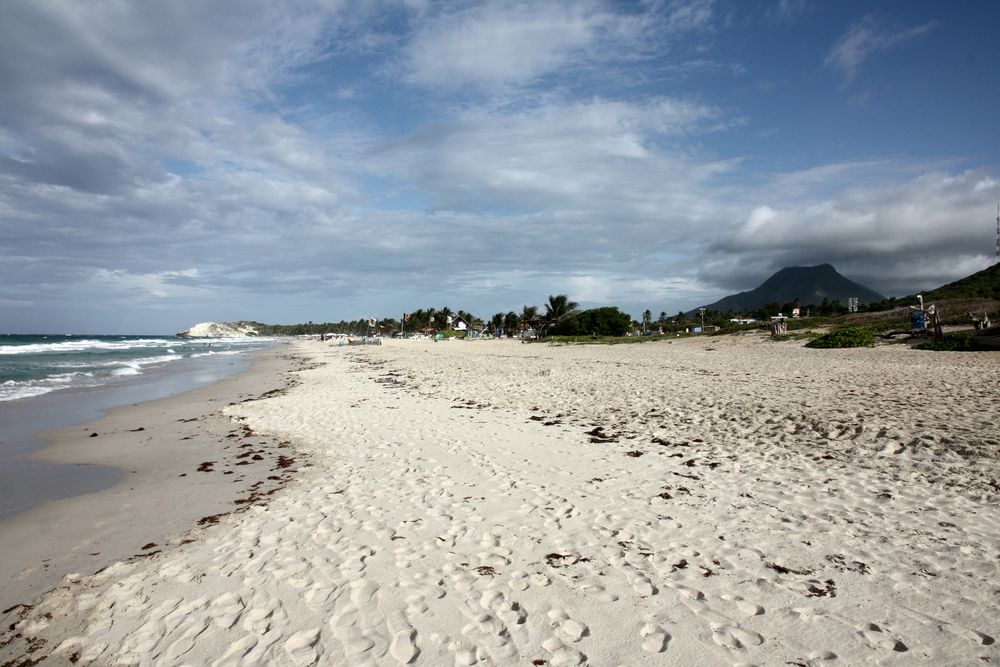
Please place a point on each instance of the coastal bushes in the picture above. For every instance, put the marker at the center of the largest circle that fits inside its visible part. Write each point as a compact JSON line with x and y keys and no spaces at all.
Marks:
{"x":798,"y":335}
{"x":845,"y":337}
{"x":955,"y":342}
{"x":608,"y":321}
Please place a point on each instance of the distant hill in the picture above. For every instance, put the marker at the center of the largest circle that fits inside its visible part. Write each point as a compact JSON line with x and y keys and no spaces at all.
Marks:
{"x":984,"y":284}
{"x":220,"y":330}
{"x":809,"y":284}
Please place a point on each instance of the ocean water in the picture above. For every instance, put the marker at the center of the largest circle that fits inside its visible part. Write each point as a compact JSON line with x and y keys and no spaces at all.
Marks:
{"x":49,"y":382}
{"x":31,"y":366}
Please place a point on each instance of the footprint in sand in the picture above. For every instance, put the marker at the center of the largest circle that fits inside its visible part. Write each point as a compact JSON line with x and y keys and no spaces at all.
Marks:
{"x":735,"y":638}
{"x":511,"y":613}
{"x":641,"y":584}
{"x":466,"y":653}
{"x":186,"y":641}
{"x":142,"y":642}
{"x":320,"y":594}
{"x":259,"y":620}
{"x":225,"y":610}
{"x":874,"y":635}
{"x":725,"y":632}
{"x":403,"y":647}
{"x":302,"y":647}
{"x":177,"y":618}
{"x":362,"y":591}
{"x":745,"y":606}
{"x":973,"y":636}
{"x":519,"y":581}
{"x":426,"y":586}
{"x":257,"y":654}
{"x":233,"y":657}
{"x":359,"y":640}
{"x":655,"y":638}
{"x":573,"y":630}
{"x":562,"y":655}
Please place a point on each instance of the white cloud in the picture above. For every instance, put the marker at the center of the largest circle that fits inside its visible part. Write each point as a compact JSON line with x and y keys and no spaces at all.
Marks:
{"x":894,"y":235}
{"x":684,"y":15}
{"x":500,"y":44}
{"x":608,"y":158}
{"x":161,"y":285}
{"x":788,"y":11}
{"x":511,"y":43}
{"x":865,"y":38}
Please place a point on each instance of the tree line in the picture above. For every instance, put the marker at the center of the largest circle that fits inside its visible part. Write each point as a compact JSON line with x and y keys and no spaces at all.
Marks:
{"x":557,"y":308}
{"x":561,"y":316}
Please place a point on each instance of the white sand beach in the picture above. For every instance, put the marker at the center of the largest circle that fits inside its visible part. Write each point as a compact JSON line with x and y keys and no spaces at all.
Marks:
{"x":710,"y":501}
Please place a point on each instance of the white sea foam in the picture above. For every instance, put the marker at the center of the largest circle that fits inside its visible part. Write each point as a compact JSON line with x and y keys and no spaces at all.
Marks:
{"x":13,"y":389}
{"x":66,"y":378}
{"x":214,"y":353}
{"x":162,"y":359}
{"x":16,"y":389}
{"x":15,"y":392}
{"x":60,"y":364}
{"x":134,"y":366}
{"x":82,"y":345}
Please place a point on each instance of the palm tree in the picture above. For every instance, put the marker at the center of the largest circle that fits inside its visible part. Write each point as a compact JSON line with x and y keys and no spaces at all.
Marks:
{"x":558,"y":308}
{"x":529,"y":314}
{"x":442,"y":317}
{"x":647,"y":319}
{"x":511,"y":322}
{"x":496,"y":321}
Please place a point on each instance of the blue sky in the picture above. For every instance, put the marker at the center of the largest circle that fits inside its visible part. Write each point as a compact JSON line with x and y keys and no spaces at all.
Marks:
{"x":168,"y":163}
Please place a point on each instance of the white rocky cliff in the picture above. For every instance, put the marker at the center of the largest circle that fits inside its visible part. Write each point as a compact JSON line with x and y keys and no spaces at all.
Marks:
{"x":219,"y":330}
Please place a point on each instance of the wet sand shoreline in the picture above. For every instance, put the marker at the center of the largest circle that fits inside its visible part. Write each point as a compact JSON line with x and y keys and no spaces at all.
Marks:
{"x":161,"y":448}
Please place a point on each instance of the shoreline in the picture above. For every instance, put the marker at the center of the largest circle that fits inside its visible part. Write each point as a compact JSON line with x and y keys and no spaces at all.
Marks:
{"x":28,"y":480}
{"x":160,"y":448}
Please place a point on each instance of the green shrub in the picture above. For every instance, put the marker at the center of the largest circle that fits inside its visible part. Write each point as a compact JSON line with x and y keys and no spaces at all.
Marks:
{"x":799,"y":335}
{"x":603,"y":340}
{"x":845,"y":337}
{"x":956,"y":342}
{"x":608,"y":321}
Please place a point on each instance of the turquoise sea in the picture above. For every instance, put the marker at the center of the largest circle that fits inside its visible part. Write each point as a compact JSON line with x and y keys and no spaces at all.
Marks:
{"x":39,"y":364}
{"x":53,"y":381}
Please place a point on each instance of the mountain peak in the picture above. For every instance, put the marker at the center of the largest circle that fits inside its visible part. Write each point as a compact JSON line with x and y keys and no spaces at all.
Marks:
{"x":809,"y":284}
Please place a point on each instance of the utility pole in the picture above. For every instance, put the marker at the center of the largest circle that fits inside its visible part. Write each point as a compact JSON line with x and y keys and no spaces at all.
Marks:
{"x":702,"y":312}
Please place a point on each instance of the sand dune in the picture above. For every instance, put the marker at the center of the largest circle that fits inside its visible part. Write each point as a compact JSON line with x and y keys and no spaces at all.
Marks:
{"x":711,"y":501}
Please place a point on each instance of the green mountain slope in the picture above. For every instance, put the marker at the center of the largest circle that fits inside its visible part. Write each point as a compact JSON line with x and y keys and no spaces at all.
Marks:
{"x":984,"y":284}
{"x":809,"y":284}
